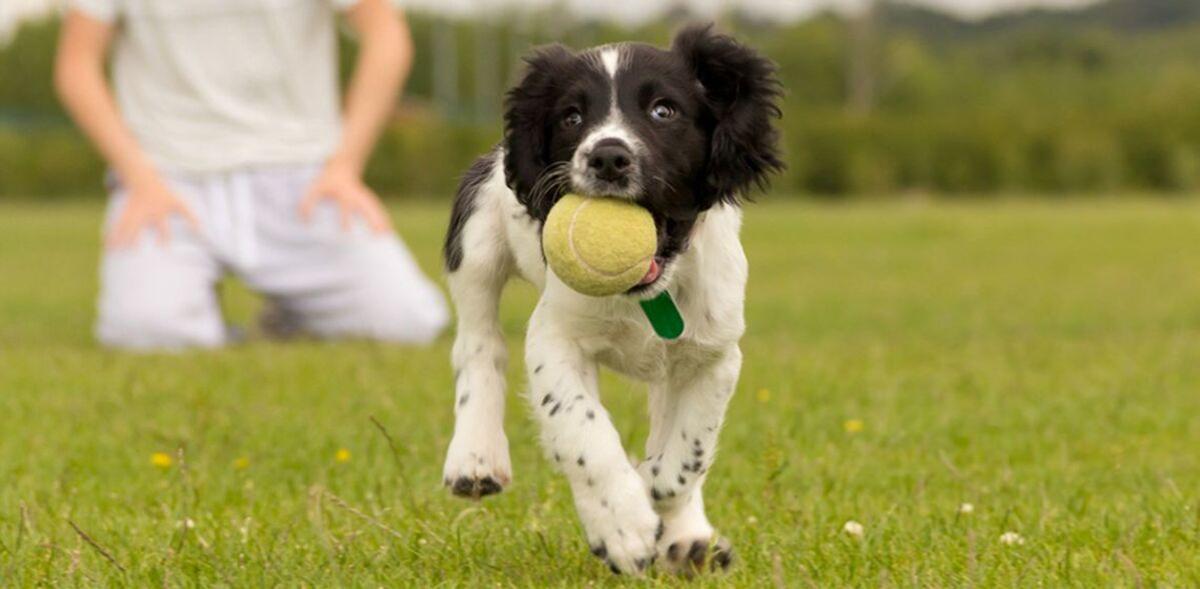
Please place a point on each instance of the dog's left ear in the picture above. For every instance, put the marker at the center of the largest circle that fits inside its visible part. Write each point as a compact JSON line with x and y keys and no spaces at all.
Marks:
{"x":742,"y":92}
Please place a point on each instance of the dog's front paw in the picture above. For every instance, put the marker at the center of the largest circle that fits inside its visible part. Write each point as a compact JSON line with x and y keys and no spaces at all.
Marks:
{"x":622,"y":529}
{"x":477,"y":467}
{"x":689,"y":545}
{"x":689,"y":556}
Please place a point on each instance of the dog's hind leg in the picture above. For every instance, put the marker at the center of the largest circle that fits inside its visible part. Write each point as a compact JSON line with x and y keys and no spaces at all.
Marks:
{"x":479,"y":263}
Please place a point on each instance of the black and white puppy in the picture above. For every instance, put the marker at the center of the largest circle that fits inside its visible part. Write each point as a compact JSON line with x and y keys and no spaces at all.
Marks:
{"x":683,"y":132}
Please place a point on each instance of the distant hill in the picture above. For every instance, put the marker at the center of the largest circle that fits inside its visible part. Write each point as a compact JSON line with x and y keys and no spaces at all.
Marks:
{"x":1116,"y":15}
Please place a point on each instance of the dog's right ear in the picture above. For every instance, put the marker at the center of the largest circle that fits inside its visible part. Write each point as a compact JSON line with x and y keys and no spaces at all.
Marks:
{"x":527,"y":109}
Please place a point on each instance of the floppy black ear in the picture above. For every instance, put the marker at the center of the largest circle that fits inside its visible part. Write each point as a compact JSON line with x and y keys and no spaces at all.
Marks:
{"x":742,"y":92}
{"x":527,"y":108}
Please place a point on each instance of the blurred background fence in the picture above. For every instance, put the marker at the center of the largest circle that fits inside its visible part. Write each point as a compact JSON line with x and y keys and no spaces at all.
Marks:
{"x":890,"y":99}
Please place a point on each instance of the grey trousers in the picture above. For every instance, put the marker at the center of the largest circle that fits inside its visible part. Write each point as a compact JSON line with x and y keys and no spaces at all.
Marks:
{"x":334,"y":282}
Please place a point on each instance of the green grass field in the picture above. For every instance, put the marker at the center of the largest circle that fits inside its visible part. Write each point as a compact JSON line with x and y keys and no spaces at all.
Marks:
{"x":1038,"y":361}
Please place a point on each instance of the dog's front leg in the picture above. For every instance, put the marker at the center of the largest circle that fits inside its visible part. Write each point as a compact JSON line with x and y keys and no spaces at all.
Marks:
{"x":477,"y":462}
{"x":686,"y":416}
{"x":621,"y":525}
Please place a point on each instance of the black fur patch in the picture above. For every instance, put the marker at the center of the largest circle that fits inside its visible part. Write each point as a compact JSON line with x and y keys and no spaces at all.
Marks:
{"x":464,"y":206}
{"x":742,"y":92}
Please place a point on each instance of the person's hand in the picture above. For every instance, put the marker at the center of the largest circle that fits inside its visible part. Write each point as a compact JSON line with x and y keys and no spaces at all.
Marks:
{"x":341,"y":184}
{"x":149,"y":205}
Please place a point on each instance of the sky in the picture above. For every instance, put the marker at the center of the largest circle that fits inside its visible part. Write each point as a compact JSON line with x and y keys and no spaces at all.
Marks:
{"x":640,"y":10}
{"x":629,"y":11}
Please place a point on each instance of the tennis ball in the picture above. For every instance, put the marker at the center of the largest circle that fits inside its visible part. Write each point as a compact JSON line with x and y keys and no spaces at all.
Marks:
{"x":599,"y":246}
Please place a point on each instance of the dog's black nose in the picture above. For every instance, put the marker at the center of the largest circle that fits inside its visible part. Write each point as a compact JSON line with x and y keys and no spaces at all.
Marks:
{"x":610,"y":160}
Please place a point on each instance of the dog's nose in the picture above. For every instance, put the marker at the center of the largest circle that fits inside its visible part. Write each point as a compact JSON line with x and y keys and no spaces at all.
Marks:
{"x":610,"y":160}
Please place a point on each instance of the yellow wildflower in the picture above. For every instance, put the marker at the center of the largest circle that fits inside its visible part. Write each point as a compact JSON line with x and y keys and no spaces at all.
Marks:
{"x":343,"y":455}
{"x":241,"y":463}
{"x":853,"y":426}
{"x":764,"y":395}
{"x":161,"y":460}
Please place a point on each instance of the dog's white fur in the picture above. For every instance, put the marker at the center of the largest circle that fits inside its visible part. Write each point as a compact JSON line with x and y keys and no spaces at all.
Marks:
{"x":570,"y":335}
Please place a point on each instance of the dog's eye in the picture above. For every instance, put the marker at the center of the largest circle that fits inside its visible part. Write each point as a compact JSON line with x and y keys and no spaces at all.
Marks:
{"x":572,"y":119}
{"x":663,"y":111}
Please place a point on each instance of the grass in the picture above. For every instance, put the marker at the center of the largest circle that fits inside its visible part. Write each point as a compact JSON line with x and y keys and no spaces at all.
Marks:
{"x":1039,"y":361}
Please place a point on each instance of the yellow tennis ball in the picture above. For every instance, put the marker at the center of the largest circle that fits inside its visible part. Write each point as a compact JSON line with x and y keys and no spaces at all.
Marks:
{"x":599,"y":246}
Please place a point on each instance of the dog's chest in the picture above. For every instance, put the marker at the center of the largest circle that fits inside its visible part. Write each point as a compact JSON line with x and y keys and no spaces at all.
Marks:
{"x":708,"y":286}
{"x":627,"y":344}
{"x":630,"y":349}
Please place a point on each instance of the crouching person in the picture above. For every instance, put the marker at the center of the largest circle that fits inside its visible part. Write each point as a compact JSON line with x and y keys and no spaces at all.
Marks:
{"x":229,"y":153}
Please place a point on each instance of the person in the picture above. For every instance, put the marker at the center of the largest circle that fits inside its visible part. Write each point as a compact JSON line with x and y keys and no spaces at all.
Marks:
{"x":229,"y":153}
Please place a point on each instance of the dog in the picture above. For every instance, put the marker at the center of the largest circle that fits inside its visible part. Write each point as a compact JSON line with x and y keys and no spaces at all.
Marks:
{"x":685,"y":132}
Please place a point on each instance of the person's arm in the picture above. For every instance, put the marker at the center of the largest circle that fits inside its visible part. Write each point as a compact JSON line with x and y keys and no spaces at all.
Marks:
{"x":384,"y":60}
{"x":83,"y":89}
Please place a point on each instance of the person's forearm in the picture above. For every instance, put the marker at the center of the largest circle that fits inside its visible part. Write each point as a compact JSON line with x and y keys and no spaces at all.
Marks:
{"x":384,"y":61}
{"x":89,"y":102}
{"x":83,"y":89}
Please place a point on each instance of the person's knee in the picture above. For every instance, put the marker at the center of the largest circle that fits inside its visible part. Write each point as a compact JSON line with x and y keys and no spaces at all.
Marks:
{"x":398,"y":303}
{"x":420,"y":323}
{"x":149,"y":325}
{"x":405,"y":311}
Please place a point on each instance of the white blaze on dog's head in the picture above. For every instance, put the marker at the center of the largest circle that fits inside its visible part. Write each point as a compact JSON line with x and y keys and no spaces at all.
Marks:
{"x":611,"y":140}
{"x":611,"y":58}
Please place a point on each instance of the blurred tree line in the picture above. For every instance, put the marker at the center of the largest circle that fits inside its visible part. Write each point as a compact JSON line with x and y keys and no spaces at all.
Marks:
{"x":898,"y":99}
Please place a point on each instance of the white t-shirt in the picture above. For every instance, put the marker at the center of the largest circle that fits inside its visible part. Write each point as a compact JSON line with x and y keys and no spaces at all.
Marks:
{"x":218,"y":85}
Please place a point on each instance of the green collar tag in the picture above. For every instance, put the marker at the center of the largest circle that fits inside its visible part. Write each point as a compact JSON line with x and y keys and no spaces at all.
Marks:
{"x":664,"y":316}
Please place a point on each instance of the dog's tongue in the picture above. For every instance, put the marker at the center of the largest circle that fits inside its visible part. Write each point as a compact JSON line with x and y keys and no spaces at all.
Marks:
{"x":652,"y":273}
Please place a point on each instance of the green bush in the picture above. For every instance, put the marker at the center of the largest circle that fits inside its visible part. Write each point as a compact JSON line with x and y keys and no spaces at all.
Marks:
{"x":426,"y":157}
{"x":828,"y":154}
{"x":47,"y":163}
{"x":414,"y":158}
